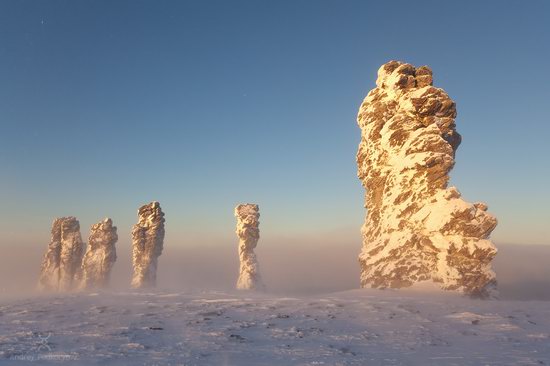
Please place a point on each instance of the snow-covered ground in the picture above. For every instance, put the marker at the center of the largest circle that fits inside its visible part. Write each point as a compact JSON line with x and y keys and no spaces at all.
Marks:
{"x":360,"y":327}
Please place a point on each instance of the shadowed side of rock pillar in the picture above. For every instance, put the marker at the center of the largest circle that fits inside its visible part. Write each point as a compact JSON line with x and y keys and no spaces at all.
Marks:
{"x":100,"y":255}
{"x":49,"y":273}
{"x":147,"y":245}
{"x":248,"y":231}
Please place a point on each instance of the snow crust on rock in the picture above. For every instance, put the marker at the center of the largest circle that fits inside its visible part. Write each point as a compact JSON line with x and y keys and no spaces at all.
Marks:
{"x":248,"y":231}
{"x":147,"y":245}
{"x":100,"y":255}
{"x":417,"y":228}
{"x":62,"y":261}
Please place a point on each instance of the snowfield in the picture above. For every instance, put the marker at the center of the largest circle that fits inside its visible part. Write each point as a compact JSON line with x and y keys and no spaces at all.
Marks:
{"x":359,"y":327}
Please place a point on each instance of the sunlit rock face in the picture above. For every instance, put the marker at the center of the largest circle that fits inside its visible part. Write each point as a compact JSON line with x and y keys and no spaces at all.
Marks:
{"x":147,"y":244}
{"x":100,"y":255}
{"x":248,"y":231}
{"x":63,"y":259}
{"x":417,"y":228}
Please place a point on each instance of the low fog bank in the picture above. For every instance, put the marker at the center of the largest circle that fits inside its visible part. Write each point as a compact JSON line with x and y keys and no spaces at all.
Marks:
{"x":289,"y":266}
{"x":296,"y":267}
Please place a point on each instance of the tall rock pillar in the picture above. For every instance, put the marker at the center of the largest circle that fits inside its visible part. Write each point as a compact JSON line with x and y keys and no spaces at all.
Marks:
{"x":100,"y":255}
{"x":417,"y":228}
{"x":62,"y":261}
{"x":248,"y":231}
{"x":147,"y":245}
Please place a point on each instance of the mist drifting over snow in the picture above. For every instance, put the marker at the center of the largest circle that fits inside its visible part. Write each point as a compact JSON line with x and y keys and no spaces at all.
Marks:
{"x":289,"y":265}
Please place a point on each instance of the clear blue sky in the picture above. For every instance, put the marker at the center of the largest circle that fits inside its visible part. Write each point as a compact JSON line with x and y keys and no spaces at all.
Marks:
{"x":106,"y":105}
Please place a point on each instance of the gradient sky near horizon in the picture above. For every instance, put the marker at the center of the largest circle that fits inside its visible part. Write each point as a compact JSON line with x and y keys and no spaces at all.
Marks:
{"x":106,"y":105}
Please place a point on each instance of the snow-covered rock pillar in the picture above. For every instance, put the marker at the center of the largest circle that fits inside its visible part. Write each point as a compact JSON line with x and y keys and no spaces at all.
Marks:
{"x":417,"y":228}
{"x":61,"y":265}
{"x":248,"y":231}
{"x":100,"y":255}
{"x":147,"y":244}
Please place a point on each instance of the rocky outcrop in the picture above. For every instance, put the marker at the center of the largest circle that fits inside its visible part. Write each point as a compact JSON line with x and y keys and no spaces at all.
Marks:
{"x":63,"y":259}
{"x":417,"y":228}
{"x":147,"y":245}
{"x":248,"y":231}
{"x":100,"y":255}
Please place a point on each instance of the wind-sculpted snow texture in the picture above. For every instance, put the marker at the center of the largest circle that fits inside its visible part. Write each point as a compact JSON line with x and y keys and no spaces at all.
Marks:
{"x":417,"y":228}
{"x":62,"y":261}
{"x":100,"y":255}
{"x":147,"y":241}
{"x":248,"y":231}
{"x":352,"y":328}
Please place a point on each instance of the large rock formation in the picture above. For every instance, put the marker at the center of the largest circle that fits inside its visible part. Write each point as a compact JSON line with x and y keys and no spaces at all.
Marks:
{"x":62,"y":261}
{"x":147,"y":244}
{"x":100,"y":255}
{"x":248,"y":231}
{"x":417,"y":228}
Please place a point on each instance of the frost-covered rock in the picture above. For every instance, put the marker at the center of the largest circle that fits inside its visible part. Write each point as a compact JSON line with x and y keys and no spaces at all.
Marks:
{"x":62,"y":261}
{"x":248,"y":231}
{"x":417,"y":228}
{"x":100,"y":255}
{"x":147,"y":244}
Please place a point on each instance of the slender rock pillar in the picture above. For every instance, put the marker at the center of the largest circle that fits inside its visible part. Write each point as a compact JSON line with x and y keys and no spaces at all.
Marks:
{"x":248,"y":231}
{"x":147,"y":245}
{"x":62,"y":261}
{"x":100,"y":255}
